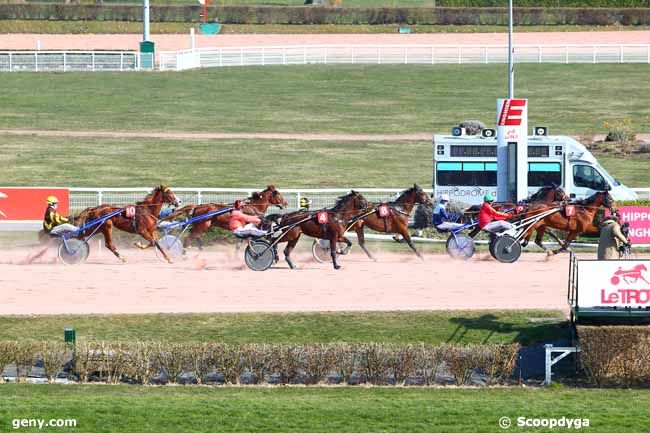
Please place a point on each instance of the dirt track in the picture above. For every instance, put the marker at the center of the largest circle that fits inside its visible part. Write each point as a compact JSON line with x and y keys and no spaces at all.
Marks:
{"x":182,"y":42}
{"x":218,"y":281}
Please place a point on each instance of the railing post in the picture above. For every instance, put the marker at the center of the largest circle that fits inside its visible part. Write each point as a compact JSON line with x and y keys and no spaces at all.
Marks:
{"x":353,"y":55}
{"x":326,"y":55}
{"x":241,"y":56}
{"x":379,"y":55}
{"x":406,"y":55}
{"x":36,"y":61}
{"x":220,"y":57}
{"x":100,"y":198}
{"x":486,"y":54}
{"x":566,"y":55}
{"x":433,"y":55}
{"x":304,"y":54}
{"x":594,"y":55}
{"x":539,"y":54}
{"x":620,"y":47}
{"x":11,"y":66}
{"x":460,"y":55}
{"x":284,"y":55}
{"x":64,"y":61}
{"x":93,"y":60}
{"x":547,"y":363}
{"x":263,"y":55}
{"x":199,"y":197}
{"x":121,"y":62}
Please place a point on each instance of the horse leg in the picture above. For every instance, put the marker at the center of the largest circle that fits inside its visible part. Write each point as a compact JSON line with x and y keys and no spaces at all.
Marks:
{"x":570,"y":238}
{"x":362,"y":242}
{"x":107,"y":231}
{"x":153,"y":241}
{"x":333,"y":245}
{"x":287,"y":252}
{"x":407,"y":237}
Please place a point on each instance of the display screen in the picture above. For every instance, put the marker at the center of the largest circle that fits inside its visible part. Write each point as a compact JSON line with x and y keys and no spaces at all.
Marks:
{"x":538,"y":151}
{"x":474,"y":151}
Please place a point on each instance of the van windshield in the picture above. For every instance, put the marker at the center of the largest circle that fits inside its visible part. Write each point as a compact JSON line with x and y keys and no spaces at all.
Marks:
{"x":607,"y":176}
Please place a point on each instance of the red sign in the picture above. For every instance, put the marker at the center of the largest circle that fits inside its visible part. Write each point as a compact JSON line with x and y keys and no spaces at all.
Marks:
{"x":323,"y":217}
{"x":570,"y":211}
{"x":383,"y":210}
{"x":511,"y":112}
{"x":30,"y":203}
{"x":638,"y":217}
{"x":129,"y":211}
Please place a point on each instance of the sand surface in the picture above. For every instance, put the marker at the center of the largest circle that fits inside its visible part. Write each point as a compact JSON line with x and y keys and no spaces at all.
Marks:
{"x":182,"y":42}
{"x":219,"y":281}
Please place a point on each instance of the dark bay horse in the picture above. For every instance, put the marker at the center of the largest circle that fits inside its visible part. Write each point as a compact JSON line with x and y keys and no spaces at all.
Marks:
{"x":144,"y":222}
{"x":396,"y":221}
{"x":256,"y":204}
{"x":546,"y":194}
{"x":345,"y":209}
{"x":580,"y":223}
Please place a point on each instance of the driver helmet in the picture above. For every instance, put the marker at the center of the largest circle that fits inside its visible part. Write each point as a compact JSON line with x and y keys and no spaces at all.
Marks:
{"x":52,"y":200}
{"x":304,"y":203}
{"x":444,"y":197}
{"x":487,"y":198}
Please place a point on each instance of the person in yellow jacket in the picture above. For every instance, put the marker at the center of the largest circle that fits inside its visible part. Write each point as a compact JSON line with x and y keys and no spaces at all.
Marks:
{"x":611,"y":238}
{"x":52,"y":217}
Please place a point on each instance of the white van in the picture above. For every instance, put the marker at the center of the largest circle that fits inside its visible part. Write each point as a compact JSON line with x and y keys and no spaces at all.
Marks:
{"x":465,"y":167}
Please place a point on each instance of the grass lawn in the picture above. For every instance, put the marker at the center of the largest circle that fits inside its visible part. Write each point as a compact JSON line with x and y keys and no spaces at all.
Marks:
{"x":117,"y":27}
{"x":570,"y":99}
{"x":525,"y":327}
{"x":92,"y":162}
{"x":131,"y":408}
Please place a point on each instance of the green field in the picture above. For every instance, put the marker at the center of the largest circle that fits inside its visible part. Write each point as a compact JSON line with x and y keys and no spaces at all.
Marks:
{"x":92,"y":162}
{"x":130,"y":408}
{"x":525,"y":327}
{"x":395,"y":99}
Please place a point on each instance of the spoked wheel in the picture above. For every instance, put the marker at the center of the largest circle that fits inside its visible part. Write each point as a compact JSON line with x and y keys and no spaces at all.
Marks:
{"x":73,"y":251}
{"x":506,"y":249}
{"x":259,"y":255}
{"x":320,"y":249}
{"x":172,"y":246}
{"x":460,"y":246}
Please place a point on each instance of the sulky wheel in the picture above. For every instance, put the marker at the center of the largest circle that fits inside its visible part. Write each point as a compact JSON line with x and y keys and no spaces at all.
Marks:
{"x":259,"y":255}
{"x":73,"y":251}
{"x":506,"y":249}
{"x":171,"y":245}
{"x":460,"y":246}
{"x":320,"y":249}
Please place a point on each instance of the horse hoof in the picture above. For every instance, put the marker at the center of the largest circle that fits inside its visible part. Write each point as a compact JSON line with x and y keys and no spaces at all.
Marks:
{"x":170,"y":261}
{"x":337,"y":267}
{"x":123,"y":259}
{"x":139,"y":245}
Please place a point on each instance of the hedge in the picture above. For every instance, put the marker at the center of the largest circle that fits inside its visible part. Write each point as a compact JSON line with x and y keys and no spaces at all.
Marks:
{"x":325,"y":15}
{"x":373,"y":363}
{"x":615,"y":355}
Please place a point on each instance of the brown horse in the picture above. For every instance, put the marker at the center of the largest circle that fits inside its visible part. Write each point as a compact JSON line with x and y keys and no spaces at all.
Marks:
{"x":346,"y":208}
{"x":579,"y":223}
{"x":396,"y":221}
{"x":256,"y":204}
{"x":144,"y":222}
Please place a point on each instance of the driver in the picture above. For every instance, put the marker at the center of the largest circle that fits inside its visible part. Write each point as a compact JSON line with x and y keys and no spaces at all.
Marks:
{"x":53,"y":222}
{"x":491,"y":220}
{"x":243,"y":225}
{"x":441,"y":217}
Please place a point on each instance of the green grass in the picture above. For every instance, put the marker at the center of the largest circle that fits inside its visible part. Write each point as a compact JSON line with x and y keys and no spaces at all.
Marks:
{"x":117,"y":27}
{"x":434,"y":327}
{"x":84,"y":162}
{"x":377,"y":99}
{"x":130,"y":408}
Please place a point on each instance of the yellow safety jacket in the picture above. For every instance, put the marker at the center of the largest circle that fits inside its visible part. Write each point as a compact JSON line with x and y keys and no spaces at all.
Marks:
{"x":52,"y":219}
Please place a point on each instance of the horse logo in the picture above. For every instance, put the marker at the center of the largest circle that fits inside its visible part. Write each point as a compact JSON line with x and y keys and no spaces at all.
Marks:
{"x":629,"y":276}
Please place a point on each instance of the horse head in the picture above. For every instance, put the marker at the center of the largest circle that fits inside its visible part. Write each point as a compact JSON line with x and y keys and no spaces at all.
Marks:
{"x":421,"y":197}
{"x":559,"y":194}
{"x":351,"y":201}
{"x":608,"y":201}
{"x":276,"y":197}
{"x":167,"y":195}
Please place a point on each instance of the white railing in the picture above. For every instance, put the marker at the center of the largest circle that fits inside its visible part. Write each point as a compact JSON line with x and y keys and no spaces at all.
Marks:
{"x":81,"y":198}
{"x":71,"y":61}
{"x":400,"y":54}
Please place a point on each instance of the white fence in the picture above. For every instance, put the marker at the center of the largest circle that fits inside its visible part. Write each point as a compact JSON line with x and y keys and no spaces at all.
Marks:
{"x":81,"y":198}
{"x":400,"y":54}
{"x":71,"y":61}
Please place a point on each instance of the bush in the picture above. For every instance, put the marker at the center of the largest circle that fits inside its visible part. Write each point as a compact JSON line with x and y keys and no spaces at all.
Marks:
{"x":615,"y":355}
{"x":468,"y":14}
{"x":620,"y":131}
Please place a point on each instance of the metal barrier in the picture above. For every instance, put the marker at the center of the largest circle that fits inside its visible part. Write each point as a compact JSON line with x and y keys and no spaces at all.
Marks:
{"x":81,"y":198}
{"x":400,"y":54}
{"x":70,"y":61}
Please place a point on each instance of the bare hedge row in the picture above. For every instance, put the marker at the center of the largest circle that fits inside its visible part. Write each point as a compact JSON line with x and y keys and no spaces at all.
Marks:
{"x":141,"y":362}
{"x":326,"y":15}
{"x":616,"y":355}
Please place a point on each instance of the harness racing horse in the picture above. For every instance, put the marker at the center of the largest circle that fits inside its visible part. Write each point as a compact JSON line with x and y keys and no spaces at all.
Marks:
{"x":338,"y":217}
{"x":397,"y":220}
{"x":144,"y":221}
{"x":256,"y":204}
{"x":579,"y":223}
